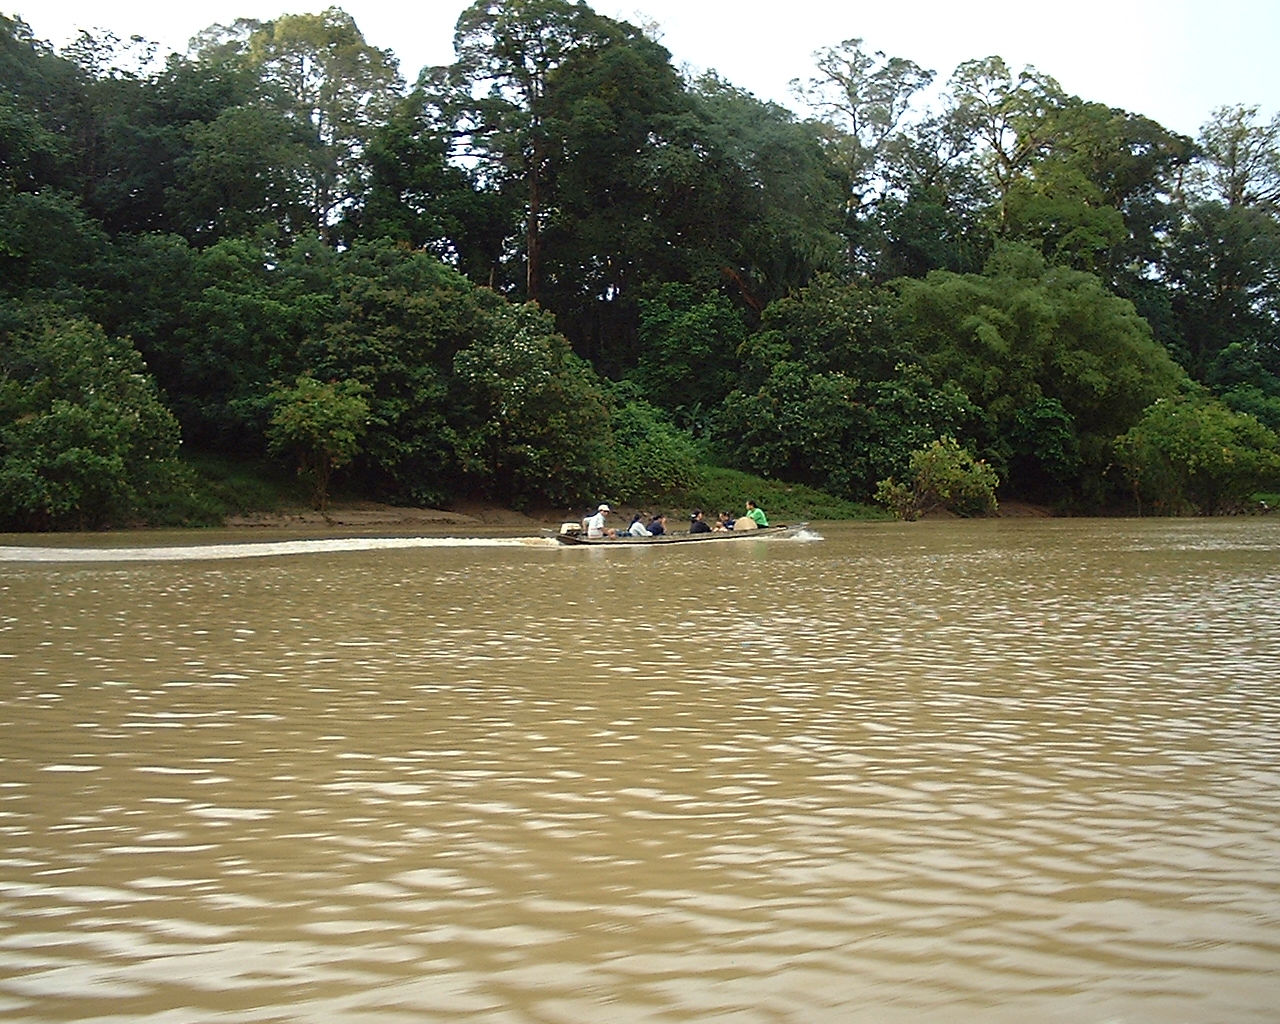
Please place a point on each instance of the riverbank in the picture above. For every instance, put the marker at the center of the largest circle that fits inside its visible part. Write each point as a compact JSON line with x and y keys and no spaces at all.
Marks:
{"x":375,"y":515}
{"x":372,"y":514}
{"x":254,"y":495}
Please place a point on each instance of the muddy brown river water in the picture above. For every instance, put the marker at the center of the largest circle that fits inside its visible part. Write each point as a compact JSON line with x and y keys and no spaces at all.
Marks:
{"x":998,"y":771}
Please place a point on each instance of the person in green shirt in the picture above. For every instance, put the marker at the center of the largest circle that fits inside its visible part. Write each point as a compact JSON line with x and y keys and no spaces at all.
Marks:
{"x":755,"y":512}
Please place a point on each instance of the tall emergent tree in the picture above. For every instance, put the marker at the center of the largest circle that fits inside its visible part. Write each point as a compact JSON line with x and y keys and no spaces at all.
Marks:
{"x":497,"y":96}
{"x":1222,"y":261}
{"x":863,"y":100}
{"x":1242,"y":158}
{"x":330,"y":89}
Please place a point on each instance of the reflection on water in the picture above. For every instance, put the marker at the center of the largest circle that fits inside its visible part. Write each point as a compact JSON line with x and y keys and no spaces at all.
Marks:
{"x":994,"y":771}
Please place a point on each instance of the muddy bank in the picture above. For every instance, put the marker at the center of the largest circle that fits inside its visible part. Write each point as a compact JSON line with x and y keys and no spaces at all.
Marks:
{"x":369,"y":514}
{"x":1006,"y":510}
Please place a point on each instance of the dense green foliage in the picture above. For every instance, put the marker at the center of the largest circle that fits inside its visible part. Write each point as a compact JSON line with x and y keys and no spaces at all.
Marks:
{"x":1192,"y":453}
{"x":944,"y":476}
{"x":728,"y":489}
{"x":557,"y":270}
{"x":320,"y":423}
{"x":653,"y":457}
{"x":1056,"y":363}
{"x":84,"y":438}
{"x":529,"y":419}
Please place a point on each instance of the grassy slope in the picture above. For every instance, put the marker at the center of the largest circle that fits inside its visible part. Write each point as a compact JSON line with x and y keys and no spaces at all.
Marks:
{"x":728,"y":489}
{"x":234,"y":487}
{"x":238,"y":487}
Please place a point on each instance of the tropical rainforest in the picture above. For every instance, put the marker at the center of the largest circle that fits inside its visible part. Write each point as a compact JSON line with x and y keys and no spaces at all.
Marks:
{"x":558,"y":269}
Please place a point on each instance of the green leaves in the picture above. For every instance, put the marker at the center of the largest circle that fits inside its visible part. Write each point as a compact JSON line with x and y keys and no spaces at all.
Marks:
{"x":529,"y":420}
{"x":1192,"y":453}
{"x":689,"y":353}
{"x":650,"y":456}
{"x":84,"y":439}
{"x":322,"y":424}
{"x":1025,"y":333}
{"x":1243,"y":166}
{"x":942,"y":476}
{"x":697,"y":244}
{"x":863,"y":99}
{"x":335,"y":88}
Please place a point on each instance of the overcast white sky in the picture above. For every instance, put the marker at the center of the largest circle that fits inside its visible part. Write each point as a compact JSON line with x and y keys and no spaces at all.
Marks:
{"x":1173,"y":60}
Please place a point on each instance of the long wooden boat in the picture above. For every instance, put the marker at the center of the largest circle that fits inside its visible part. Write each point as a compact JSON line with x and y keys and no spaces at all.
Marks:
{"x":579,"y":538}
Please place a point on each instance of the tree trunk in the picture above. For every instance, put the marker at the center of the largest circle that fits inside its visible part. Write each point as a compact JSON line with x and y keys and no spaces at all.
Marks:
{"x":533,"y":248}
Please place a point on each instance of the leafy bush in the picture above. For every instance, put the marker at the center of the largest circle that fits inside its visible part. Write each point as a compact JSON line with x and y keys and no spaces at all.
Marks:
{"x":943,"y":476}
{"x":528,"y":421}
{"x":236,"y":486}
{"x":834,"y":431}
{"x":1057,"y":363}
{"x":320,"y":423}
{"x":84,"y":439}
{"x":651,"y":456}
{"x":1263,"y":407}
{"x":1193,"y":454}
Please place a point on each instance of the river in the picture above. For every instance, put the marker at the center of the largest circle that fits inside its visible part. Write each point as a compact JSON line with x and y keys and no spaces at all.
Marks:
{"x":994,"y":771}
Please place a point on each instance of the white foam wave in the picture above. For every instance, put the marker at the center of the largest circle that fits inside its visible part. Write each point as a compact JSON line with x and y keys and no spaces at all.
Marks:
{"x":258,"y":549}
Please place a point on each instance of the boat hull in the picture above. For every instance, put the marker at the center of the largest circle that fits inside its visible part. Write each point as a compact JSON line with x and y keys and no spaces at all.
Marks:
{"x":715,"y":537}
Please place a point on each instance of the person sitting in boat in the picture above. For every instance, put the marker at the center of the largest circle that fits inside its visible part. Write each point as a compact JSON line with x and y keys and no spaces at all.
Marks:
{"x":697,"y":524}
{"x":657,"y":525}
{"x":755,"y":512}
{"x":724,"y":521}
{"x":595,"y":524}
{"x":637,"y":527}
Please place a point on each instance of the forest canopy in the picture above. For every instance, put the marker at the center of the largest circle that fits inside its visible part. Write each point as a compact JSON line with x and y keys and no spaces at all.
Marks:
{"x":558,"y":269}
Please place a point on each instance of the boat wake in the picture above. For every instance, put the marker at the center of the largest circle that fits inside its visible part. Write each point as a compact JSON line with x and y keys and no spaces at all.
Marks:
{"x":265,"y":549}
{"x":259,"y":549}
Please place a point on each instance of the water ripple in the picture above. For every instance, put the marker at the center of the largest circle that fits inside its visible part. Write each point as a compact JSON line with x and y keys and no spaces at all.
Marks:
{"x":982,"y":772}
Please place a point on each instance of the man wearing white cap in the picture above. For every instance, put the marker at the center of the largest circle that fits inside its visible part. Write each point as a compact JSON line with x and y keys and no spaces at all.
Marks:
{"x":595,"y":524}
